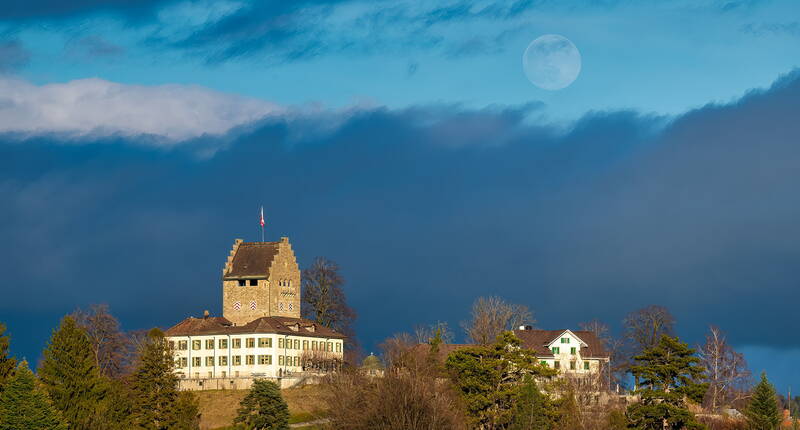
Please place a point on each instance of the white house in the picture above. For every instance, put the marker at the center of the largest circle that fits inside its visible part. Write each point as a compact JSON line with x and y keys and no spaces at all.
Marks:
{"x":578,"y":353}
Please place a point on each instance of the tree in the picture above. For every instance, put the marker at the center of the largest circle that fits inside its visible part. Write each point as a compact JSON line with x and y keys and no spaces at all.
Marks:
{"x":644,"y":328}
{"x":762,"y":412}
{"x":70,"y":376}
{"x":493,"y":315}
{"x":323,"y":298}
{"x":440,"y":331}
{"x":23,"y":405}
{"x":111,"y":348}
{"x":489,"y":378}
{"x":154,"y":385}
{"x":187,"y":412}
{"x":533,"y":410}
{"x":614,"y":348}
{"x":669,"y":372}
{"x":726,"y":371}
{"x":7,"y":364}
{"x":263,"y":408}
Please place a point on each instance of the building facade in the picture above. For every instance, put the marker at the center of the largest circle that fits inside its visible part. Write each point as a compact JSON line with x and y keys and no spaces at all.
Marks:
{"x":577,"y":353}
{"x":260,"y":333}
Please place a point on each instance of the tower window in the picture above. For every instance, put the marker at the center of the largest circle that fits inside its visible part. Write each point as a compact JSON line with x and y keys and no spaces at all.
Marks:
{"x":242,"y":282}
{"x":253,"y":282}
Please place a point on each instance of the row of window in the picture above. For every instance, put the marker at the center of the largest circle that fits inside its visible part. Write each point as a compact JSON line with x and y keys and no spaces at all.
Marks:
{"x":263,"y":342}
{"x":573,"y":365}
{"x":557,"y":350}
{"x":243,"y":282}
{"x":236,"y":360}
{"x":254,"y":282}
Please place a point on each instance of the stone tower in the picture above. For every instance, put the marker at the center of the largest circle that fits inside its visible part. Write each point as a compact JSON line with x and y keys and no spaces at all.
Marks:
{"x":260,"y":279}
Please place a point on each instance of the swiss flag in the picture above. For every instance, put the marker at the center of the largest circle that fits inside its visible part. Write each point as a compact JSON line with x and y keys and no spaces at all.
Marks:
{"x":262,"y":217}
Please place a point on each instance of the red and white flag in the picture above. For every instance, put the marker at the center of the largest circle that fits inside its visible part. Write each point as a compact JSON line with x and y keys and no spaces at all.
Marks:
{"x":262,"y":217}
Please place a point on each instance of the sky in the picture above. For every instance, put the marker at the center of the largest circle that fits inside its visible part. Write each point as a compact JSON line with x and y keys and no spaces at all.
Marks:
{"x":403,"y":140}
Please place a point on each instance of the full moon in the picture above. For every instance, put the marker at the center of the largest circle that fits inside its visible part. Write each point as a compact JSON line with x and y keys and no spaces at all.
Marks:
{"x":551,"y":62}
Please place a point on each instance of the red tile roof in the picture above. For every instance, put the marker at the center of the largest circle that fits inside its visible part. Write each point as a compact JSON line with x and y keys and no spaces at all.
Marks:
{"x":537,"y":340}
{"x":252,"y":259}
{"x":279,"y":325}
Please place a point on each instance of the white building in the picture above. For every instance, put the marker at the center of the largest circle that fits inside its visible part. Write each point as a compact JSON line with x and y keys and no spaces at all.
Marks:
{"x":260,"y":334}
{"x":578,"y":353}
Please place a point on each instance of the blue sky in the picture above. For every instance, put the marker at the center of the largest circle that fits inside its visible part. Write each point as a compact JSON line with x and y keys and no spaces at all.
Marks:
{"x":137,"y":140}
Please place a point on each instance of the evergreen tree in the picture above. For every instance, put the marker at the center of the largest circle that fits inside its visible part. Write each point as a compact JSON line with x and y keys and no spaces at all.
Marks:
{"x":489,"y":378}
{"x":762,"y":412}
{"x":263,"y":408}
{"x":23,"y":405}
{"x":533,"y":410}
{"x":70,"y":376}
{"x":154,"y":385}
{"x":187,"y":412}
{"x":7,"y":363}
{"x":669,"y":372}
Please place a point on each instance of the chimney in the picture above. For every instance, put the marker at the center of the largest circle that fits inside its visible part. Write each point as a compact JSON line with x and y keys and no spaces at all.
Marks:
{"x":205,"y":314}
{"x":525,"y":327}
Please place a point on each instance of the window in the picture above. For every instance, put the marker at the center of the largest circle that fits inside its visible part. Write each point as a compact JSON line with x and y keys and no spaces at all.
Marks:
{"x":280,"y":342}
{"x":223,"y":343}
{"x":338,"y":347}
{"x":280,"y":306}
{"x":242,"y":282}
{"x":556,"y":350}
{"x":237,"y":343}
{"x":250,"y":360}
{"x":280,"y":360}
{"x":543,"y":363}
{"x":196,"y":361}
{"x":556,"y":364}
{"x":305,"y":345}
{"x":297,"y":361}
{"x":297,"y":344}
{"x":572,"y":365}
{"x":172,"y":344}
{"x":314,"y":345}
{"x":290,"y":307}
{"x":585,"y":365}
{"x":236,"y":374}
{"x":209,"y":343}
{"x":196,"y":375}
{"x":182,"y":362}
{"x":573,"y":350}
{"x":564,"y":340}
{"x":224,"y":374}
{"x":264,"y":359}
{"x":209,"y":361}
{"x":330,"y":347}
{"x":237,"y":360}
{"x":182,"y":345}
{"x":210,"y":375}
{"x":251,"y":342}
{"x":196,"y":345}
{"x":253,"y":282}
{"x":223,"y":360}
{"x":265,"y":342}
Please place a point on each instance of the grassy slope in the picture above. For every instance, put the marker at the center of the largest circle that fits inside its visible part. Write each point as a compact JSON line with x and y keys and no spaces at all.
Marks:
{"x":218,"y":407}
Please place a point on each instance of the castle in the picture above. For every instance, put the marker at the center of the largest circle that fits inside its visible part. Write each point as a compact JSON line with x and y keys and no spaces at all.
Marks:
{"x":260,"y":333}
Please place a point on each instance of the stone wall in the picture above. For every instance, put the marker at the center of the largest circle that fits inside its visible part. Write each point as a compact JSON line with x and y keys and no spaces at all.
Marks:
{"x":284,"y":277}
{"x":201,"y":384}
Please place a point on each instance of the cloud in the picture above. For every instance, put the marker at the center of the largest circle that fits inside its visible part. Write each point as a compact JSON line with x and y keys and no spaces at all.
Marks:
{"x":92,"y":47}
{"x":92,"y":108}
{"x":13,"y":56}
{"x":29,"y":10}
{"x":619,"y":210}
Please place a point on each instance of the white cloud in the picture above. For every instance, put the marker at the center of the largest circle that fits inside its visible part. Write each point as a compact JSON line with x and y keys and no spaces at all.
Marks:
{"x":96,"y":107}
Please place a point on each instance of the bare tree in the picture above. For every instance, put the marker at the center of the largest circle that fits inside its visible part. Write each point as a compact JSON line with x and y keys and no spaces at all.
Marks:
{"x":493,"y":315}
{"x":112,"y":348}
{"x":324,"y":300}
{"x":644,"y":328}
{"x":726,"y":371}
{"x":440,"y":330}
{"x":613,"y":346}
{"x":398,"y":349}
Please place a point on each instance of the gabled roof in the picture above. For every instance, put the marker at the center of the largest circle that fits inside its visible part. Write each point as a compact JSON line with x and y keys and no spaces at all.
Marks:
{"x":539,"y":340}
{"x":265,"y":325}
{"x":251,"y":259}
